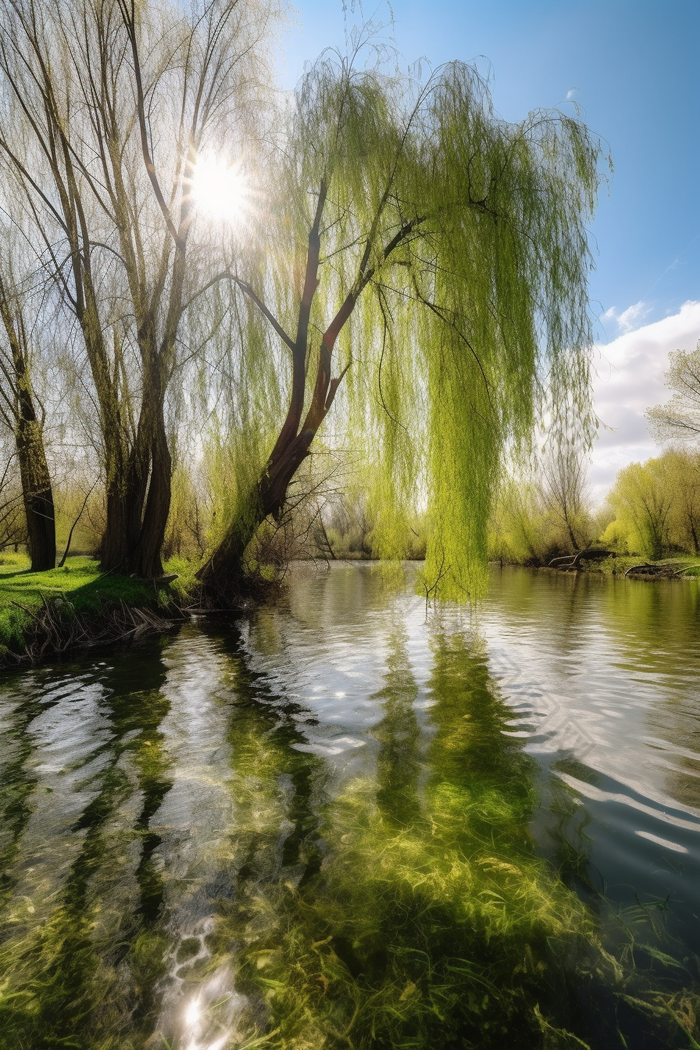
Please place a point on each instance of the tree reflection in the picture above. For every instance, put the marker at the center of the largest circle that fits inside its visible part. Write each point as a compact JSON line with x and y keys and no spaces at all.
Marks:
{"x":94,"y":963}
{"x":401,"y":906}
{"x":656,"y":627}
{"x":430,"y":921}
{"x":17,"y":786}
{"x":399,"y":735}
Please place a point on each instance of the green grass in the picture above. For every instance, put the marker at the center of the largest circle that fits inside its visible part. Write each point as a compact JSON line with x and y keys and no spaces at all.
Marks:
{"x":690,"y":560}
{"x":23,"y":593}
{"x":186,"y":582}
{"x":618,"y":566}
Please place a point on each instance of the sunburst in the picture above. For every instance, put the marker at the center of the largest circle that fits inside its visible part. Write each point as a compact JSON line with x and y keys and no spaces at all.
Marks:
{"x":221,"y":190}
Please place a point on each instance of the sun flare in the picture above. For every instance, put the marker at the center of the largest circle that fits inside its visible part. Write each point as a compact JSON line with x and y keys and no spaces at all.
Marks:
{"x":193,"y":1013}
{"x":220,"y":190}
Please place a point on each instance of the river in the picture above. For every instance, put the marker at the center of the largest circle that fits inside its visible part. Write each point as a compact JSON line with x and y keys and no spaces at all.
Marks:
{"x":351,"y":820}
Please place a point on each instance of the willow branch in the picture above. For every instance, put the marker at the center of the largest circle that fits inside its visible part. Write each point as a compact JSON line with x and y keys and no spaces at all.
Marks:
{"x":129,"y":17}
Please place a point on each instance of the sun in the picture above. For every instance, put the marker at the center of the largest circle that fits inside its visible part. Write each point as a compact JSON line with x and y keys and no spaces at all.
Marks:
{"x":220,"y":190}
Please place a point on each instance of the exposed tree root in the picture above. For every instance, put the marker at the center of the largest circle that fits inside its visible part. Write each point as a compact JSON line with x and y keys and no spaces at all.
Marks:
{"x":237,"y":594}
{"x":57,"y":628}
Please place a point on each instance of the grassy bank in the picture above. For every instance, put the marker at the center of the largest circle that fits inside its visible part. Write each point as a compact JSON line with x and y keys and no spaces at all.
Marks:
{"x":47,"y":612}
{"x":624,"y":562}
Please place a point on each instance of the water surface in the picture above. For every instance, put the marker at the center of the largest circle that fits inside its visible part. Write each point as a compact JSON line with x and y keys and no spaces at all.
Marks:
{"x":352,"y":821}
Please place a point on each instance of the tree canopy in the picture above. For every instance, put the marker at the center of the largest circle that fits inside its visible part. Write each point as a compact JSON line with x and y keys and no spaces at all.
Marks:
{"x":106,"y":104}
{"x":433,"y":258}
{"x":398,"y":250}
{"x":679,"y":418}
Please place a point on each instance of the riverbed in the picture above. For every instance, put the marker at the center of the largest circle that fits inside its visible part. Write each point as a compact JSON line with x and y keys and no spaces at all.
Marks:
{"x":354,"y":819}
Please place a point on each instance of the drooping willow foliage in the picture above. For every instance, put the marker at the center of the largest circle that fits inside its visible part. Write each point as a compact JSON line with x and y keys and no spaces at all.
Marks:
{"x":441,"y":256}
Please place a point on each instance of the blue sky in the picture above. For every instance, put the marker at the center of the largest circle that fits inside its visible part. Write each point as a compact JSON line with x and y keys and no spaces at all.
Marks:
{"x":632,"y":65}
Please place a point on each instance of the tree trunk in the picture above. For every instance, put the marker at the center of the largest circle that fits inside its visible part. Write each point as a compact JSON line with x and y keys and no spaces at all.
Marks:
{"x":36,"y":491}
{"x":29,"y":440}
{"x":146,"y":557}
{"x":572,"y":538}
{"x":114,"y":546}
{"x":694,"y":534}
{"x":133,"y":535}
{"x":222,"y":575}
{"x":138,"y":499}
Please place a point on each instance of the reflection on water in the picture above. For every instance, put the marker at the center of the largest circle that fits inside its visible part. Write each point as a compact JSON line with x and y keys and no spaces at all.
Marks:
{"x":342,"y":824}
{"x":610,"y":671}
{"x":399,"y":735}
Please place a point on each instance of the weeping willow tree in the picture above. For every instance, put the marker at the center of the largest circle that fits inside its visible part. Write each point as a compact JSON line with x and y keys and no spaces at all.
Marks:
{"x":431,"y":258}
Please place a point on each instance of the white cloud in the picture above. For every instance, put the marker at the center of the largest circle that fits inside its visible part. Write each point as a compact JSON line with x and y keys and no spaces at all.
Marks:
{"x":630,"y":379}
{"x":630,"y":318}
{"x":571,"y":93}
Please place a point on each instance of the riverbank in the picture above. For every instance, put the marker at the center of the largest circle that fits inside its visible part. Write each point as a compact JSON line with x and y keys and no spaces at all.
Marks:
{"x":681,"y":567}
{"x":77,"y":607}
{"x":43,"y":614}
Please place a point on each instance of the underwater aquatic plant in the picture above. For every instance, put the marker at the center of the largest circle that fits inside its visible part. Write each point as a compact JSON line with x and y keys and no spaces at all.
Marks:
{"x":430,"y":921}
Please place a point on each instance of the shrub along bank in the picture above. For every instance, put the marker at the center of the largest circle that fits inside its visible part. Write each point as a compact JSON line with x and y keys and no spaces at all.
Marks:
{"x":681,"y":568}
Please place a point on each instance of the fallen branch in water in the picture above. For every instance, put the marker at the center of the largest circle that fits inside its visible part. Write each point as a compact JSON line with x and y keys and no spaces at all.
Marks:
{"x":650,"y":571}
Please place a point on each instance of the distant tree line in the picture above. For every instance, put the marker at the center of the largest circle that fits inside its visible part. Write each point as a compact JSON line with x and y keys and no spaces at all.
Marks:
{"x":653,"y":509}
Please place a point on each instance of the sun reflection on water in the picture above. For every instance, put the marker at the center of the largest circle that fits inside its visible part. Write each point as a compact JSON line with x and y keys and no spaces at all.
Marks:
{"x":194,"y":1022}
{"x":210,"y":1020}
{"x":192,"y":1014}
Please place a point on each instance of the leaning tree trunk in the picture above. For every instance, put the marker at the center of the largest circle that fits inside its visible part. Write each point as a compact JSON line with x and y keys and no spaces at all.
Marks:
{"x":222,"y":577}
{"x":218,"y":577}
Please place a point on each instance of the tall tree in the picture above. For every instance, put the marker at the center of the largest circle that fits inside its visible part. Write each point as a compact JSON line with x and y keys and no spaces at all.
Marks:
{"x":114,"y":100}
{"x":13,"y":527}
{"x":683,"y":468}
{"x":563,"y":489}
{"x":642,"y":498}
{"x":441,"y":254}
{"x":25,"y":420}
